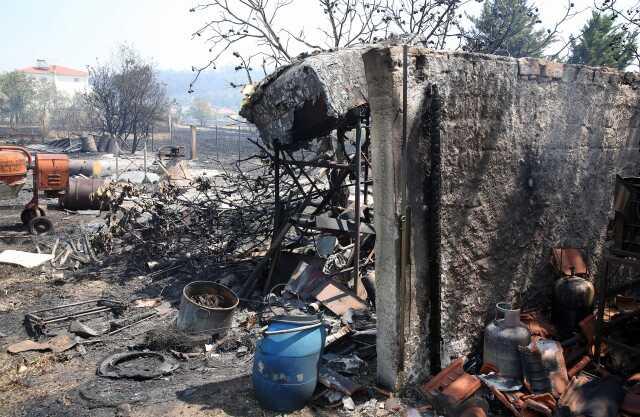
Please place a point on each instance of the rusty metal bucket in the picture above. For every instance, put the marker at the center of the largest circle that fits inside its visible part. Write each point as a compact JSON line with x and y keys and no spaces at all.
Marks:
{"x":206,"y":307}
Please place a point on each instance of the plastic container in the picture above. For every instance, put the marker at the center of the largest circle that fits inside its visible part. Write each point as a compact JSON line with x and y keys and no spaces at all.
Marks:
{"x":502,"y":337}
{"x":285,"y":366}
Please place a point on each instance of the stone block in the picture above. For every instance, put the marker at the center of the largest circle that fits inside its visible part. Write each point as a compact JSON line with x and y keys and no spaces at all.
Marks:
{"x":554,"y":70}
{"x":528,"y":66}
{"x":585,"y":75}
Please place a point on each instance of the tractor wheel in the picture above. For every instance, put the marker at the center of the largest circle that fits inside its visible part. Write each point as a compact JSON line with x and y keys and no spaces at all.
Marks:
{"x":40,"y":225}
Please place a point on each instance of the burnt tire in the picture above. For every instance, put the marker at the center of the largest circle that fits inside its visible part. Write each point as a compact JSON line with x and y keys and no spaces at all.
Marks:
{"x":40,"y":225}
{"x":29,"y":214}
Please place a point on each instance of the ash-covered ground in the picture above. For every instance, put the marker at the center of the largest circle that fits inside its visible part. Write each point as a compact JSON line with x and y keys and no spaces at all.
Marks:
{"x":213,"y":377}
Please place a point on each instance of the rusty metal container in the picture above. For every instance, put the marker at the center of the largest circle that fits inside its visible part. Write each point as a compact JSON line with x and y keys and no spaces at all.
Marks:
{"x":572,"y":301}
{"x":13,"y":171}
{"x":502,"y":339}
{"x":82,"y":194}
{"x":52,"y":171}
{"x":206,"y":307}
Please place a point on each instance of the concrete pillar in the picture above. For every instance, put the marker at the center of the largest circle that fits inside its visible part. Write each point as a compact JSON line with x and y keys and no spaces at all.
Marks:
{"x":194,"y":151}
{"x":386,"y":133}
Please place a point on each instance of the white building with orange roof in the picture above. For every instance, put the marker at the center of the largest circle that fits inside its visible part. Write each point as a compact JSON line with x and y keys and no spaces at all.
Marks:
{"x":66,"y":80}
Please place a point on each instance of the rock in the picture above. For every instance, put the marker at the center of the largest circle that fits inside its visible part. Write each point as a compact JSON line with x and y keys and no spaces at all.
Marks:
{"x":393,"y":404}
{"x":123,"y":410}
{"x":348,"y":404}
{"x":82,"y":329}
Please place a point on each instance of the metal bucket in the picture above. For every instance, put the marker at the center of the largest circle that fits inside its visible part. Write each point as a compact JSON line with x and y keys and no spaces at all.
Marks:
{"x":206,"y":307}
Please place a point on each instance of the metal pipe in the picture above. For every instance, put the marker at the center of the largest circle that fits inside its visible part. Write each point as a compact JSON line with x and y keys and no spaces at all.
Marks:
{"x":319,"y":164}
{"x":76,"y":315}
{"x":366,"y":163}
{"x":79,"y":303}
{"x":357,"y":162}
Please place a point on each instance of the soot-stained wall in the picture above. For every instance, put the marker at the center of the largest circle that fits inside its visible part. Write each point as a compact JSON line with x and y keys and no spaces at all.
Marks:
{"x":507,"y":159}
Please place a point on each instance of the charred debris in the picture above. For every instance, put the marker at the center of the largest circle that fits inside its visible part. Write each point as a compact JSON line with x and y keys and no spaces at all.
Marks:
{"x":268,"y":265}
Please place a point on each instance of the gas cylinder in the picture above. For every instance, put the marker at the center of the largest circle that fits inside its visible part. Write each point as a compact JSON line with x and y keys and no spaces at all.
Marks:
{"x":572,"y":301}
{"x":502,"y":337}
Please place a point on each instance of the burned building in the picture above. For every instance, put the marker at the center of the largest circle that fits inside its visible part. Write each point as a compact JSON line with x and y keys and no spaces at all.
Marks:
{"x":480,"y":165}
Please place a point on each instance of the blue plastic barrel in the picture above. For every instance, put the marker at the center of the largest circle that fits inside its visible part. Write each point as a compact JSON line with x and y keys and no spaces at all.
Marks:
{"x":285,"y":366}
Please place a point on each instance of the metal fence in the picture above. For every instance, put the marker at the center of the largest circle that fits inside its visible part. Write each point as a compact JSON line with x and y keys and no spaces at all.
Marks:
{"x":223,"y":143}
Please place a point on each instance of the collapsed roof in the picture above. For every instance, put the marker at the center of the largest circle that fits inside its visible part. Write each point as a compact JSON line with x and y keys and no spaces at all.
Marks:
{"x":308,"y":98}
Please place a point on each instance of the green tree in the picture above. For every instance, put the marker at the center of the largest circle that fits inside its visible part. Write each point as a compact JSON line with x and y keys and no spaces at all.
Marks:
{"x":603,"y":43}
{"x":201,"y":111}
{"x":45,"y":100}
{"x":19,"y":91}
{"x":508,"y":27}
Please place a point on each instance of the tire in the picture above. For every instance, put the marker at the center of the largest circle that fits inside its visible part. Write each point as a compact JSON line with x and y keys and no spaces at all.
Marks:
{"x":29,"y":214}
{"x":40,"y":225}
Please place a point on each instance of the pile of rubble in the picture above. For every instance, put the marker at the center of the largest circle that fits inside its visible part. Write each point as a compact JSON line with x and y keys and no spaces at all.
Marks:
{"x":540,"y":364}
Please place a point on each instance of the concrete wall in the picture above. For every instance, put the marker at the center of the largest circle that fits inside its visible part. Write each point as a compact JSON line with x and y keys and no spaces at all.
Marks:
{"x":68,"y":85}
{"x":526,"y":160}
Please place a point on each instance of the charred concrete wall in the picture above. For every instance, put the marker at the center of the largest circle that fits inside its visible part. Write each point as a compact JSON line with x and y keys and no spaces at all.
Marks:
{"x":507,"y":159}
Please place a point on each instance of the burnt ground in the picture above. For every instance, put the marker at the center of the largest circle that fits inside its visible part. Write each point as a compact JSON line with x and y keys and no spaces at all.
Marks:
{"x":65,"y":384}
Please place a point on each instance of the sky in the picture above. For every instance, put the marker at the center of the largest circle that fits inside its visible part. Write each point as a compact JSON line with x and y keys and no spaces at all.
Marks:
{"x":75,"y":33}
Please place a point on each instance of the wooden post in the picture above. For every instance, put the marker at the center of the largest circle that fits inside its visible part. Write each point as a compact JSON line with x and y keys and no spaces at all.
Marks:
{"x":217,"y":143}
{"x":170,"y":129}
{"x":194,"y":151}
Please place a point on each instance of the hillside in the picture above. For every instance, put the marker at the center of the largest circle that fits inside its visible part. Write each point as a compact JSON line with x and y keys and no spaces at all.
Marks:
{"x":212,"y":85}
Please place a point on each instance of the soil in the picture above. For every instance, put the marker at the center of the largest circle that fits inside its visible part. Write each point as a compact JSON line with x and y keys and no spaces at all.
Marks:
{"x":46,"y":384}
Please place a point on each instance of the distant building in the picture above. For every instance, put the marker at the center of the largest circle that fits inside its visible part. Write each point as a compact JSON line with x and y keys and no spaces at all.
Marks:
{"x":66,"y":80}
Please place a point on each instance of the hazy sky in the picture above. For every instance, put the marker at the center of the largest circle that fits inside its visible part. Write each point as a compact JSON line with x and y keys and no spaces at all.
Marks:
{"x":76,"y":32}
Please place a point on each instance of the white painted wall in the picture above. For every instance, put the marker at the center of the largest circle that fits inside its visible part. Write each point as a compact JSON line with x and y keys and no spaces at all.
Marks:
{"x":68,"y":85}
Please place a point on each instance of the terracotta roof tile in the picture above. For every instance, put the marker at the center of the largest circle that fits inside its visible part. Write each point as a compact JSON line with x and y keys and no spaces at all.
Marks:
{"x":55,"y":69}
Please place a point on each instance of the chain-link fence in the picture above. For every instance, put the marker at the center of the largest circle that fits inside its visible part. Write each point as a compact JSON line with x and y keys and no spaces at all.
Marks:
{"x":223,"y":143}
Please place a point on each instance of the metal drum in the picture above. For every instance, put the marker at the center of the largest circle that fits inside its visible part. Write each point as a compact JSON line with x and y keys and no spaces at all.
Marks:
{"x":82,"y":194}
{"x":285,"y":366}
{"x":502,"y":337}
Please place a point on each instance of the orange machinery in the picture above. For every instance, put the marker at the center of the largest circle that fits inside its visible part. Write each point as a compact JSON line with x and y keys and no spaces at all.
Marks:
{"x":50,"y":175}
